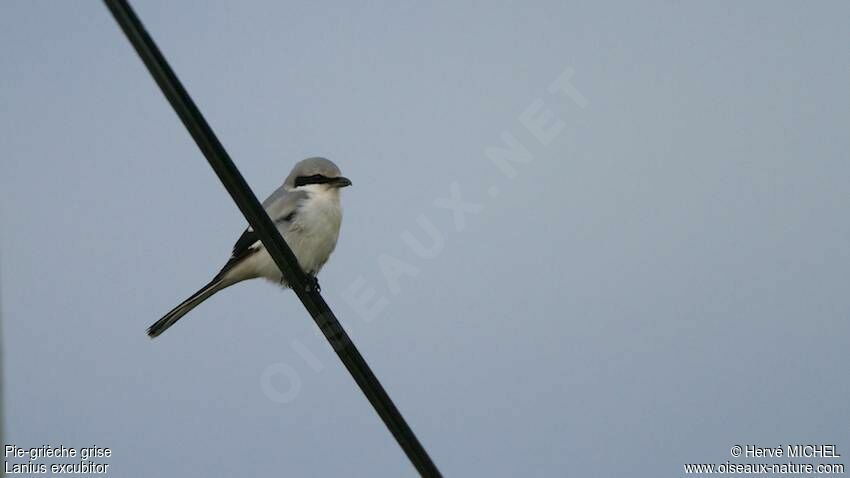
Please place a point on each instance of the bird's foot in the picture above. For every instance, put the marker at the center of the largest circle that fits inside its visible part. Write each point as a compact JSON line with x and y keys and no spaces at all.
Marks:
{"x":312,"y":284}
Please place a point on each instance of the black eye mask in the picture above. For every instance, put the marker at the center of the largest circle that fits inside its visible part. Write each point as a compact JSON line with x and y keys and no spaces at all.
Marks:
{"x":314,"y":179}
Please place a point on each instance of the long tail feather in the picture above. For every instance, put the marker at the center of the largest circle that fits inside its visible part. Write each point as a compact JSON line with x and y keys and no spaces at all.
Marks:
{"x":176,"y":313}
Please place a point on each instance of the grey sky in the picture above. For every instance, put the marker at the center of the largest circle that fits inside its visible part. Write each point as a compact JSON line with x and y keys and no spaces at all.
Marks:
{"x":666,"y":278}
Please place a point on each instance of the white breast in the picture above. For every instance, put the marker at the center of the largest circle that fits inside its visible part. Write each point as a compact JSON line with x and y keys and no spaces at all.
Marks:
{"x":314,"y":233}
{"x":312,"y":237}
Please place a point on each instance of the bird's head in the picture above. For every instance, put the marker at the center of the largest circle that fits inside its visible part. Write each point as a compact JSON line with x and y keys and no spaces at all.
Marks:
{"x":316,"y":173}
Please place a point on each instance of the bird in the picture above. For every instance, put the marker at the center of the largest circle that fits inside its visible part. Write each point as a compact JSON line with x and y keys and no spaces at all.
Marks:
{"x":306,"y":210}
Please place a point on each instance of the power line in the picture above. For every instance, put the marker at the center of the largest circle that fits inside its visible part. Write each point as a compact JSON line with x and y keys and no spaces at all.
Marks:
{"x":268,"y":234}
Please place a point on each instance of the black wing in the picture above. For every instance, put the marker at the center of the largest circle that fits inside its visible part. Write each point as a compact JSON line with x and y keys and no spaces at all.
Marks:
{"x":282,"y":207}
{"x":242,"y":249}
{"x":244,"y":243}
{"x":248,"y":243}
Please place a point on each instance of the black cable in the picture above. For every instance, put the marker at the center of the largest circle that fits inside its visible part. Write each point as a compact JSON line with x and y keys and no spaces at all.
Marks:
{"x":268,"y":234}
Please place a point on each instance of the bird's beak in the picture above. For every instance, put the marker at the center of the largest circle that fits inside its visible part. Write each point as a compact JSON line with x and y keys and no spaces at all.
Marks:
{"x":341,"y":182}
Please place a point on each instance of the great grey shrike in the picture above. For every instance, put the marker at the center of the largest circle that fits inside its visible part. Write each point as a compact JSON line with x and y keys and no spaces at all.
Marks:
{"x":307,"y":213}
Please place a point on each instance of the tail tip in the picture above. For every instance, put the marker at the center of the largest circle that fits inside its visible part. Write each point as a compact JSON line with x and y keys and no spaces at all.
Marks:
{"x":154,"y":330}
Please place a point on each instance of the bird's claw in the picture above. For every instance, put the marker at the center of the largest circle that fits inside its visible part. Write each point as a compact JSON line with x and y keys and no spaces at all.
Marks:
{"x":312,"y":284}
